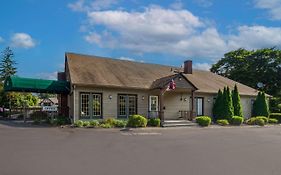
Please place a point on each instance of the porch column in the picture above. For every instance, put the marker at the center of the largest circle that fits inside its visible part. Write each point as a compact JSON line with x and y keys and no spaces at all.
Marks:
{"x":161,"y":101}
{"x":192,"y":105}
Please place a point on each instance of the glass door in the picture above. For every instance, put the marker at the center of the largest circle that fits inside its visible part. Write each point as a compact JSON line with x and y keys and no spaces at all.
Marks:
{"x":153,"y":106}
{"x":127,"y":105}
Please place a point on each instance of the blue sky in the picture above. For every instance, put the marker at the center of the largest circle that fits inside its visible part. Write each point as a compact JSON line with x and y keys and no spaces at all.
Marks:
{"x":165,"y":32}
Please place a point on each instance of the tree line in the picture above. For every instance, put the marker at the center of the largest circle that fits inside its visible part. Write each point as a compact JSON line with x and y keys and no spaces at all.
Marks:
{"x":259,"y":69}
{"x":228,"y":104}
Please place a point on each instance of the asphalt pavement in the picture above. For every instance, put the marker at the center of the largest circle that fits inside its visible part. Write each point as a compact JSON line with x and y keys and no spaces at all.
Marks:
{"x":28,"y":150}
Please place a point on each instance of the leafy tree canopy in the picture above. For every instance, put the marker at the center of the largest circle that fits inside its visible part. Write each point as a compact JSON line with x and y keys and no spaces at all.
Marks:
{"x":251,"y":67}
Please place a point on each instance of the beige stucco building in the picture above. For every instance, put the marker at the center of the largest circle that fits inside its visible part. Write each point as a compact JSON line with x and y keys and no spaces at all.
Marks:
{"x":112,"y":88}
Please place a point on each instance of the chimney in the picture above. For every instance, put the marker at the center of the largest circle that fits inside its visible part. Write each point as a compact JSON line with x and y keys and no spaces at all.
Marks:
{"x":61,"y":76}
{"x":187,"y":67}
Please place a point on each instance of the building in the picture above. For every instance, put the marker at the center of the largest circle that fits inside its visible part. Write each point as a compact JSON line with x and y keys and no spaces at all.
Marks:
{"x":111,"y":88}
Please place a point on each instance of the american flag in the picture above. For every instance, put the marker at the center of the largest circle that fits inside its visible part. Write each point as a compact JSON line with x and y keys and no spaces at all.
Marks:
{"x":172,"y":85}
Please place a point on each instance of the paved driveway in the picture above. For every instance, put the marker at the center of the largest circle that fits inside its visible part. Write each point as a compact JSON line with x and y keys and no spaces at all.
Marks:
{"x":212,"y":151}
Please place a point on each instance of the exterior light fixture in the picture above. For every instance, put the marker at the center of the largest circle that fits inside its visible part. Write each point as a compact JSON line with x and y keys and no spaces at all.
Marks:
{"x":110,"y":97}
{"x":142,"y":97}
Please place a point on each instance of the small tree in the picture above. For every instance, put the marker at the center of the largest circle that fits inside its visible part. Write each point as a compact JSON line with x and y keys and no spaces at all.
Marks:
{"x":218,"y":106}
{"x":237,"y":107}
{"x":7,"y":64}
{"x":260,"y":106}
{"x":227,"y":108}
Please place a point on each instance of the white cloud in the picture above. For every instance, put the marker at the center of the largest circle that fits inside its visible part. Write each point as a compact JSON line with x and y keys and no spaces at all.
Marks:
{"x":48,"y":75}
{"x":175,"y":32}
{"x":254,"y":37}
{"x":202,"y":66}
{"x":126,"y":59}
{"x":1,"y":39}
{"x":22,"y":40}
{"x":273,"y":6}
{"x":87,"y":5}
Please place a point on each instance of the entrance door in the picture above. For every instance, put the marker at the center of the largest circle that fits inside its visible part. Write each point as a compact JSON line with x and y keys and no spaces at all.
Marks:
{"x":153,"y":106}
{"x":127,"y":105}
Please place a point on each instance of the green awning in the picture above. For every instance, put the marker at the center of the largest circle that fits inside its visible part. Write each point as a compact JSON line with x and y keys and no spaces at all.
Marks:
{"x":19,"y":84}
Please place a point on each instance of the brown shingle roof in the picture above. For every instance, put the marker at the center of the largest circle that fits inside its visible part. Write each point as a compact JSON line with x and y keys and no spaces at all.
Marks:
{"x":107,"y":72}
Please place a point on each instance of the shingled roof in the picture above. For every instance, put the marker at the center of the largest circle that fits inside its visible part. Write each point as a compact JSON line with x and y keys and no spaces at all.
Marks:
{"x":107,"y":72}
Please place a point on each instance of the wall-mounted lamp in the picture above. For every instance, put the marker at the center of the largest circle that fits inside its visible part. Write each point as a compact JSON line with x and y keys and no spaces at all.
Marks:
{"x":185,"y":99}
{"x":110,"y":97}
{"x":142,"y":97}
{"x":208,"y":100}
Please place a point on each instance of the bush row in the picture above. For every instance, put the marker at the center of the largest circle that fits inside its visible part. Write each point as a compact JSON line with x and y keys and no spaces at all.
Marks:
{"x":106,"y":123}
{"x":133,"y":121}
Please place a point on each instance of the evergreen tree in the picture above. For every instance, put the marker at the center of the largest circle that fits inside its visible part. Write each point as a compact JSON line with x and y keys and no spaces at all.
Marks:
{"x":217,"y":106}
{"x":227,"y":106}
{"x":260,"y":106}
{"x":7,"y":64}
{"x":236,"y":102}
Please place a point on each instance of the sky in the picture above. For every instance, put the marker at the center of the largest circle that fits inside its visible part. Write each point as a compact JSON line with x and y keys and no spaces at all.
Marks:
{"x":152,"y":31}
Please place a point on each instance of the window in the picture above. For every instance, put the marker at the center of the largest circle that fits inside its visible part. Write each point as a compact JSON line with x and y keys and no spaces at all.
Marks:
{"x":86,"y":101}
{"x":199,"y":101}
{"x":96,"y":105}
{"x":127,"y":105}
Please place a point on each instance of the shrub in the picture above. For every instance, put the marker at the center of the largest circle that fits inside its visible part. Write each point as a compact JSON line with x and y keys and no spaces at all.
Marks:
{"x":110,"y":121}
{"x":260,"y":106}
{"x":86,"y":123}
{"x":137,"y":121}
{"x":276,"y":116}
{"x":94,"y":123}
{"x":272,"y":121}
{"x":203,"y":120}
{"x":251,"y":121}
{"x":120,"y":123}
{"x":222,"y":122}
{"x":265,"y":119}
{"x":236,"y":120}
{"x":78,"y":123}
{"x":153,"y":122}
{"x":105,"y":125}
{"x":259,"y":121}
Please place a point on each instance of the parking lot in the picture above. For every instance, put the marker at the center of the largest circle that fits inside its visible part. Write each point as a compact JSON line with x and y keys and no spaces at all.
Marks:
{"x":27,"y":150}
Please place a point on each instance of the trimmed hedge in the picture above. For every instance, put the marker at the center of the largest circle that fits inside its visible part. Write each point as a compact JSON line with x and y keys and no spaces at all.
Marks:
{"x":153,"y":122}
{"x":120,"y":123}
{"x":272,"y":121}
{"x":78,"y":123}
{"x":222,"y":122}
{"x":276,"y":116}
{"x":260,"y":122}
{"x":94,"y":123}
{"x":203,"y":120}
{"x":265,"y":119}
{"x":137,"y":121}
{"x":86,"y":124}
{"x":236,"y":120}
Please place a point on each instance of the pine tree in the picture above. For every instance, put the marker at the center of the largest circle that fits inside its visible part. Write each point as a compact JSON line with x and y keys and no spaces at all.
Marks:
{"x":260,"y":106}
{"x":217,"y":106}
{"x":236,"y":102}
{"x":7,"y":64}
{"x":227,"y":106}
